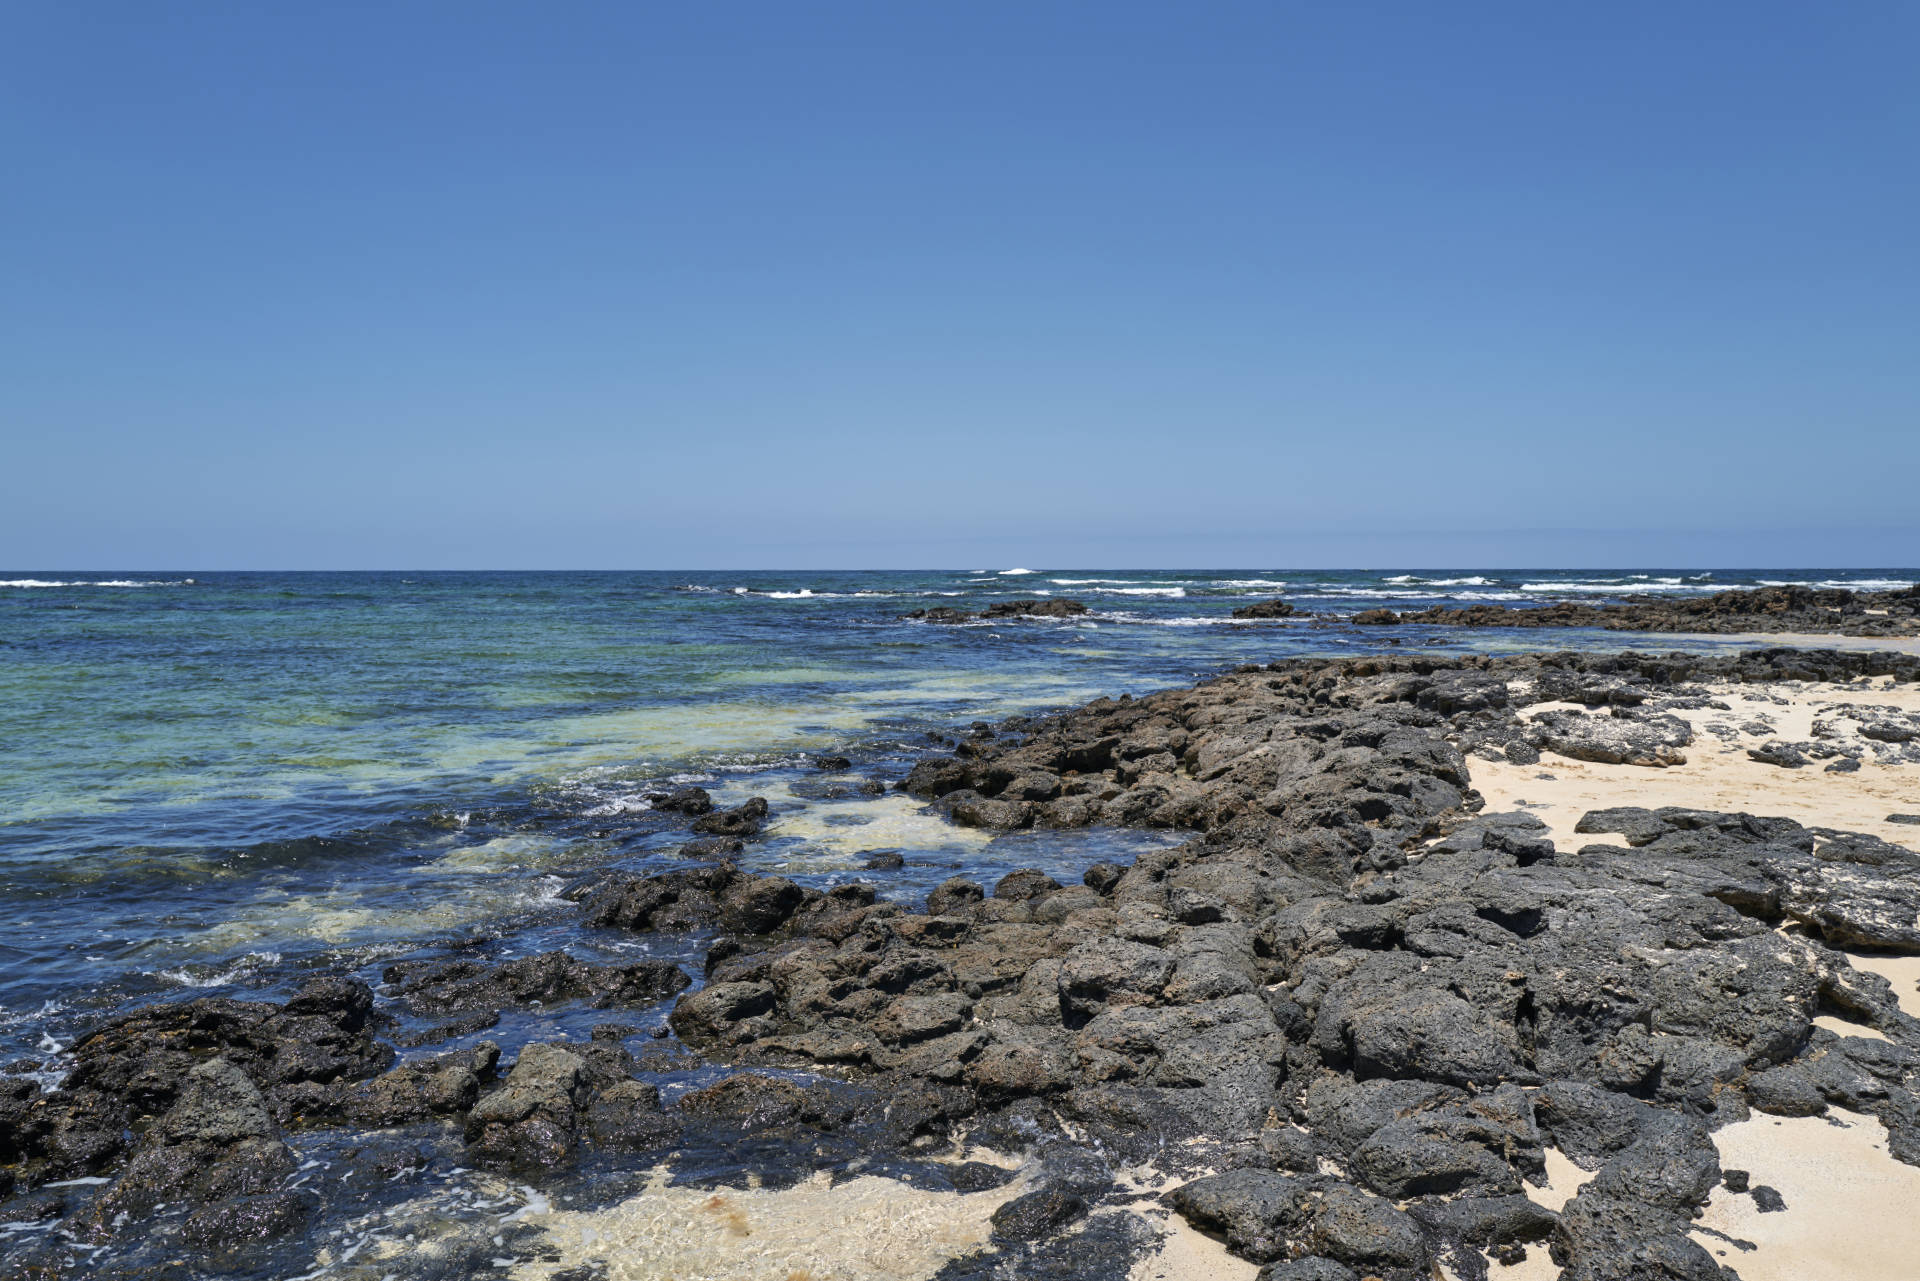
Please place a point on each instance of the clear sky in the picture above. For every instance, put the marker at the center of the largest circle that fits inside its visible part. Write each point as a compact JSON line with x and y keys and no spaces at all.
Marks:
{"x":798,"y":284}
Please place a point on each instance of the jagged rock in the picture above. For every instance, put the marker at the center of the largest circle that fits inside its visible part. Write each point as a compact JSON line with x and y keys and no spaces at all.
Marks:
{"x":1307,"y":1269}
{"x":1105,"y":972}
{"x":533,"y":1119}
{"x":951,"y":894}
{"x":1061,"y":607}
{"x":550,"y":978}
{"x":626,"y":1116}
{"x":438,"y":1085}
{"x":728,"y":1012}
{"x":745,"y":819}
{"x":1765,"y":609}
{"x":1038,"y":1213}
{"x":133,"y":1066}
{"x":1614,"y":740}
{"x":217,"y":1143}
{"x":1260,"y":1213}
{"x":693,"y":801}
{"x":723,"y":895}
{"x":1785,"y":755}
{"x":1026,"y":883}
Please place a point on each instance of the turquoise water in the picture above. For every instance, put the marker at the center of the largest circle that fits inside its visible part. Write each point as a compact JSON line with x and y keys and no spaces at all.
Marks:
{"x":225,"y":781}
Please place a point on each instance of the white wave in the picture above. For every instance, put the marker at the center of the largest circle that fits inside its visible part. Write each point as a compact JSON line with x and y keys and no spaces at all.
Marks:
{"x":1005,"y":572}
{"x":741,"y":591}
{"x":1615,"y":588}
{"x":621,"y":805}
{"x":1122,"y":616}
{"x":1396,"y":593}
{"x":1249,"y":582}
{"x":203,"y":977}
{"x":1850,"y":584}
{"x":1080,"y":582}
{"x":14,"y":1018}
{"x":1438,"y":582}
{"x":1141,"y":591}
{"x":33,"y":582}
{"x":807,"y":593}
{"x":1491,"y":596}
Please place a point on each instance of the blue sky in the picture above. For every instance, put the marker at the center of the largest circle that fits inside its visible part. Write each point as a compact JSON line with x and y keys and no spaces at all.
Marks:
{"x":828,"y":284}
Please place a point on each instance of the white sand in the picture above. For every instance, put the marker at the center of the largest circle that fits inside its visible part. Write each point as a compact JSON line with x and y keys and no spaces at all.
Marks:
{"x":1563,"y":1181}
{"x":1850,"y":1206}
{"x":1720,"y":776}
{"x":1186,"y":1253}
{"x":866,"y":1229}
{"x":1901,"y":971}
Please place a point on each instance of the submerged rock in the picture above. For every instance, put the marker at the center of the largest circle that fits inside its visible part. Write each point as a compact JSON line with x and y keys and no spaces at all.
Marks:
{"x":1765,"y":609}
{"x":533,"y":1119}
{"x":1053,"y":607}
{"x":1265,"y":609}
{"x":218,"y":1143}
{"x":551,"y":978}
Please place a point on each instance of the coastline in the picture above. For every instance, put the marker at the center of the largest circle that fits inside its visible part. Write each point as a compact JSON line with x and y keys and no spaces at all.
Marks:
{"x":1226,"y":1019}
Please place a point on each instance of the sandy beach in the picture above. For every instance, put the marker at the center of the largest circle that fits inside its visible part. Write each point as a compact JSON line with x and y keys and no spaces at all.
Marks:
{"x":1720,"y":775}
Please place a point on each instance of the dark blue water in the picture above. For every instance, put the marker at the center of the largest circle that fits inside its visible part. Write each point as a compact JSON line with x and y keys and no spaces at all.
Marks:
{"x":224,"y":781}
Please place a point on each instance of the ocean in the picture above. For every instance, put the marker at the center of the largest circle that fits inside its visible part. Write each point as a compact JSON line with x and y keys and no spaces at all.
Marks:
{"x":223,"y":783}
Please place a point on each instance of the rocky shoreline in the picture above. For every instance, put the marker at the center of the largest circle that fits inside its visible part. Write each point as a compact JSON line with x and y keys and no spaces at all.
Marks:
{"x":1800,"y":610}
{"x":1794,"y":610}
{"x":1349,"y":1018}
